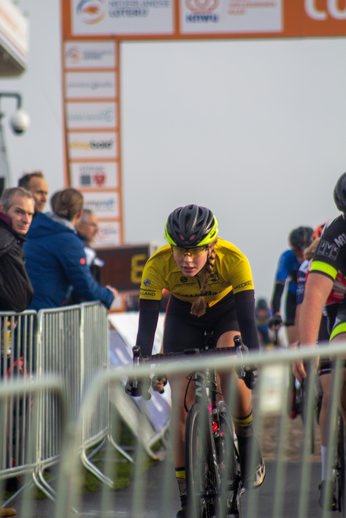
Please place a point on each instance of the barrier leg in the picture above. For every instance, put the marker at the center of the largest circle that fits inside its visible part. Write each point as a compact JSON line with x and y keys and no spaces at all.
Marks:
{"x":95,"y":471}
{"x":120,"y":449}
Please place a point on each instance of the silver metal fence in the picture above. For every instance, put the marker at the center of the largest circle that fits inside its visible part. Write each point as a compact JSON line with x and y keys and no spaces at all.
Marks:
{"x":27,"y":392}
{"x":291,"y":484}
{"x":17,"y":361}
{"x":48,"y":348}
{"x":69,"y":343}
{"x":94,"y":359}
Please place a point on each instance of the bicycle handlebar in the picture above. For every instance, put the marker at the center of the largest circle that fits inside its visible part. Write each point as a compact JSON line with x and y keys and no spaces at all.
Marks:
{"x":246,"y":372}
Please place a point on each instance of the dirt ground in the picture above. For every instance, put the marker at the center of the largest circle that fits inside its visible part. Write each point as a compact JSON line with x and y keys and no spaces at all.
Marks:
{"x":294,"y":443}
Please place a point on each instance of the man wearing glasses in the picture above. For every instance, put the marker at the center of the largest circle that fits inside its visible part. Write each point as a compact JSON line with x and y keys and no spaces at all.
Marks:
{"x":87,"y":229}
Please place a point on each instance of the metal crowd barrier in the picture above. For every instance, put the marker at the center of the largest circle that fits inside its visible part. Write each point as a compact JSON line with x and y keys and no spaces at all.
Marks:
{"x":29,"y":391}
{"x":291,"y":484}
{"x":71,"y":353}
{"x":17,"y":359}
{"x":71,"y":344}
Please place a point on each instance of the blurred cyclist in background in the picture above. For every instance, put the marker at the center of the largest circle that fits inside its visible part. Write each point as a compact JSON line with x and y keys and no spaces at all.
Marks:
{"x":288,"y":265}
{"x":263,"y":314}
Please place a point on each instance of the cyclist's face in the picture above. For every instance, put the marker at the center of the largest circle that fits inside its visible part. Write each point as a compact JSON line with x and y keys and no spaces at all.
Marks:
{"x":190,"y":264}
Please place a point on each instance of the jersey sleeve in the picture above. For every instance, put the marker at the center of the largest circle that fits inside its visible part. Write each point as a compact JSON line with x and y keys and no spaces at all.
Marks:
{"x":330,"y":255}
{"x":241,"y":276}
{"x":284,"y":266}
{"x":152,"y":281}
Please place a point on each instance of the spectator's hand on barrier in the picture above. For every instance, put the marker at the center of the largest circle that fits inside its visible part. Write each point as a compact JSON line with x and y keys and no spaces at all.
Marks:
{"x":159,"y":384}
{"x":113,"y":290}
{"x":298,"y":369}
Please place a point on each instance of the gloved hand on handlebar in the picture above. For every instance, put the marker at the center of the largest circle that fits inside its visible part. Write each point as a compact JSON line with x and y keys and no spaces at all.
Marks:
{"x":275,"y":321}
{"x":136,"y":388}
{"x":159,"y":382}
{"x":248,"y":373}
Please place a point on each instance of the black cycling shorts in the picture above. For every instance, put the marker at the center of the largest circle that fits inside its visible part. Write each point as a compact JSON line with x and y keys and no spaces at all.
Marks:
{"x":186,"y":331}
{"x":340,"y":321}
{"x":291,"y":304}
{"x":325,"y":365}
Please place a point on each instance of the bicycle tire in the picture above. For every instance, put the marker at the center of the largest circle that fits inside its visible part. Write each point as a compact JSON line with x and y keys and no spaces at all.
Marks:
{"x":202,"y":478}
{"x":231,"y":485}
{"x":341,"y":452}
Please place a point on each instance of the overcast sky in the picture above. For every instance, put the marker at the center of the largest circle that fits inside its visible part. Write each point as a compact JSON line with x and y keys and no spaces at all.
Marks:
{"x":254,"y":130}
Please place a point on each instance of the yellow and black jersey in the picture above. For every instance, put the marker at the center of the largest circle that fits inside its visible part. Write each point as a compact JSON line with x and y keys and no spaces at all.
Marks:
{"x":231,"y":271}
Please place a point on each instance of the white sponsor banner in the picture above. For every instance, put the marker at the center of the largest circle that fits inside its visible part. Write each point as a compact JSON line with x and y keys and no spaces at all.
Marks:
{"x":98,"y":115}
{"x":94,"y":175}
{"x":90,"y":54}
{"x":230,"y":16}
{"x":102,"y":17}
{"x":90,"y":85}
{"x":104,"y":204}
{"x":92,"y":145}
{"x":108,"y":234}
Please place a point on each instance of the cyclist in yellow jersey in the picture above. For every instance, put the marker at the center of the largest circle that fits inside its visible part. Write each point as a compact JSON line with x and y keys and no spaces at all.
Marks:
{"x":211,"y":288}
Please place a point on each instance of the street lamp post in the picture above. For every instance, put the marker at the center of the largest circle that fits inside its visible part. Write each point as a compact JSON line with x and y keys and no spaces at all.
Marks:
{"x":19,"y":123}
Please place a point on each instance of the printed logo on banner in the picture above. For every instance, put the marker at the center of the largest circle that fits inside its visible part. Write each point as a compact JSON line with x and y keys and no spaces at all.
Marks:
{"x":122,"y":17}
{"x":104,"y":204}
{"x":91,"y":176}
{"x":91,"y":115}
{"x":93,"y":54}
{"x":91,"y":11}
{"x":94,"y":145}
{"x":88,"y":85}
{"x":230,"y":16}
{"x":108,"y":234}
{"x":203,"y":10}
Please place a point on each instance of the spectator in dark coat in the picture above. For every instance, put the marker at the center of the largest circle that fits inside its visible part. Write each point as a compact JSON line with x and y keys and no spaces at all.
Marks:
{"x":16,"y":212}
{"x":55,"y":257}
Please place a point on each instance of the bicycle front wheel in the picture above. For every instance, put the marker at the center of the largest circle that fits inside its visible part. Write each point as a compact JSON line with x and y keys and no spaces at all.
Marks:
{"x":202,"y":482}
{"x":228,"y":460}
{"x":341,"y":464}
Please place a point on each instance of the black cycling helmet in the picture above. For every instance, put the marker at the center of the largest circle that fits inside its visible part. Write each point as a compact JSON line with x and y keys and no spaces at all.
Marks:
{"x":300,"y":238}
{"x":340,"y":193}
{"x":185,"y":222}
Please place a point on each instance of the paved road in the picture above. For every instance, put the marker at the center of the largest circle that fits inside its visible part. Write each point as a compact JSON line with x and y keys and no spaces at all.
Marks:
{"x":158,"y":505}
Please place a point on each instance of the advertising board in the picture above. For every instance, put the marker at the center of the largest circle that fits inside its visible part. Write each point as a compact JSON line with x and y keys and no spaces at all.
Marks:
{"x":91,"y":17}
{"x":233,"y":16}
{"x":90,"y":85}
{"x":91,"y":115}
{"x":108,"y":235}
{"x":94,"y":175}
{"x":104,"y":204}
{"x":92,"y":145}
{"x":89,"y":54}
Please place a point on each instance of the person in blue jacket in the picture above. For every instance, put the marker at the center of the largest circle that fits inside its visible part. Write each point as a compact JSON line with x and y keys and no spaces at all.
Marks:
{"x":55,"y":257}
